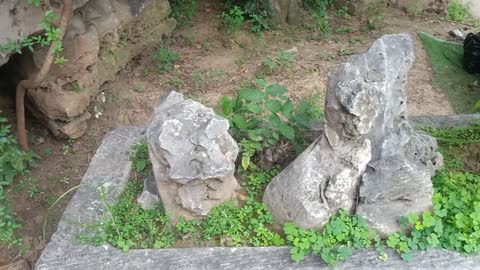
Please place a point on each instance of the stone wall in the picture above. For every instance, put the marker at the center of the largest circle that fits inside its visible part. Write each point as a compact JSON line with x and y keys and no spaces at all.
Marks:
{"x":103,"y":36}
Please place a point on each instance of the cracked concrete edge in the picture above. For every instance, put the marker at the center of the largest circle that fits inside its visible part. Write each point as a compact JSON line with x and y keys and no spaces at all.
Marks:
{"x":110,"y":168}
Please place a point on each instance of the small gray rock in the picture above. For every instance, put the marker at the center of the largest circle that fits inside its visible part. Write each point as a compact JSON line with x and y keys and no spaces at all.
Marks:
{"x":148,"y":200}
{"x":457,"y":34}
{"x":193,"y":157}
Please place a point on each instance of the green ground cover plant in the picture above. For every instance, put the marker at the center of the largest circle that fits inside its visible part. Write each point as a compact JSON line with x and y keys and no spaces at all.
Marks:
{"x":13,"y":162}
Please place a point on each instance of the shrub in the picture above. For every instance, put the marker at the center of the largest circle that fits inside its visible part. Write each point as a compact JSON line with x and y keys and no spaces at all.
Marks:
{"x":262,"y":117}
{"x":233,"y":19}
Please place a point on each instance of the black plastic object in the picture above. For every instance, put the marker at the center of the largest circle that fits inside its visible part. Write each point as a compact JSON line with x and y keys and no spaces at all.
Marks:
{"x":471,"y":53}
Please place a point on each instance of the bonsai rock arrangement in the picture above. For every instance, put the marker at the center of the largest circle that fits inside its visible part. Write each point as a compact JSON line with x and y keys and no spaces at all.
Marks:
{"x":192,"y":155}
{"x":369,"y":159}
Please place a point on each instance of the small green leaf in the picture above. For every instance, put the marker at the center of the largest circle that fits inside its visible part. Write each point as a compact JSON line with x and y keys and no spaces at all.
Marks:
{"x":287,"y":131}
{"x":275,"y":90}
{"x":245,"y":162}
{"x":140,"y":165}
{"x":254,"y":108}
{"x":260,"y":82}
{"x":239,"y":121}
{"x":253,"y":135}
{"x":273,"y":106}
{"x":287,"y":109}
{"x":412,"y":218}
{"x":250,"y":94}
{"x":407,"y":256}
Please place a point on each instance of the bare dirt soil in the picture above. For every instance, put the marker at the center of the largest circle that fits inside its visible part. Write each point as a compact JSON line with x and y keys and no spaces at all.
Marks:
{"x":211,"y":64}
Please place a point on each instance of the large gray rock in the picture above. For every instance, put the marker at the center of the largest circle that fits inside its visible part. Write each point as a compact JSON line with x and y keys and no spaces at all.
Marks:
{"x":193,"y":157}
{"x":366,"y":135}
{"x":398,"y":179}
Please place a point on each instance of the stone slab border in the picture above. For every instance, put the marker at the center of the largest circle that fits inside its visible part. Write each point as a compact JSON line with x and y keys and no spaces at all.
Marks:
{"x":111,"y":166}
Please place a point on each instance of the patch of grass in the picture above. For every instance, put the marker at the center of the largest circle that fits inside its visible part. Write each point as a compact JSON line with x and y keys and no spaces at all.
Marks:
{"x":165,"y":59}
{"x":343,"y":30}
{"x":447,"y":62}
{"x":129,"y":226}
{"x":344,"y":52}
{"x":177,"y":82}
{"x":343,"y":13}
{"x":375,"y":17}
{"x":183,"y":11}
{"x":457,"y":11}
{"x":284,"y":59}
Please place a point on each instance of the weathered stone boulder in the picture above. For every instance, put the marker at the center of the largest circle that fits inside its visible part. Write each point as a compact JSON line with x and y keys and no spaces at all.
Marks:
{"x":193,"y":157}
{"x":102,"y":37}
{"x":367,"y":145}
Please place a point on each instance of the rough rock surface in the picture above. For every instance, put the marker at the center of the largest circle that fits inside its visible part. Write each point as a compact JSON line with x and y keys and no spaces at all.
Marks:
{"x":193,"y":156}
{"x":149,"y":197}
{"x":366,"y":134}
{"x":102,"y":37}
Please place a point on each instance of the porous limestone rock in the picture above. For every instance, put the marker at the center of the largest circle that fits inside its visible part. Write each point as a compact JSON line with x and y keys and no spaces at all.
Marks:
{"x":367,"y":144}
{"x":193,"y":157}
{"x":101,"y":38}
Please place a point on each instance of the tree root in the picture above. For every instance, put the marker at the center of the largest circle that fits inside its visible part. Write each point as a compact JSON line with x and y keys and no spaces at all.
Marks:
{"x":23,"y":85}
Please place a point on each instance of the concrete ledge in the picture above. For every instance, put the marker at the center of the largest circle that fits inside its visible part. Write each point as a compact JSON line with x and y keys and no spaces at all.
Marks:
{"x":110,"y":167}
